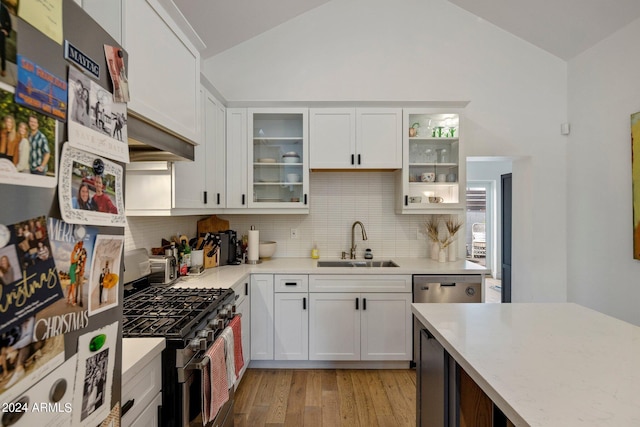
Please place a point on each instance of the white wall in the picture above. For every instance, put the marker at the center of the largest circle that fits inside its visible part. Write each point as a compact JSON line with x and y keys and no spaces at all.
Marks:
{"x":604,"y":90}
{"x":431,"y":50}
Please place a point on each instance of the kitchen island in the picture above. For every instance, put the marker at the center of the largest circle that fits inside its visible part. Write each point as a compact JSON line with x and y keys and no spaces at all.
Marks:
{"x":544,"y":364}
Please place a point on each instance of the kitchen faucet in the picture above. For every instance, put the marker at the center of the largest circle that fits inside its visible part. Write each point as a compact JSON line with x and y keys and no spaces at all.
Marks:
{"x":364,"y":237}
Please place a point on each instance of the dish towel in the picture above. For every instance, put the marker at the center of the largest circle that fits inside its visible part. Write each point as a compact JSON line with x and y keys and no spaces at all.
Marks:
{"x":236,"y":327}
{"x":215,"y":388}
{"x":227,"y":336}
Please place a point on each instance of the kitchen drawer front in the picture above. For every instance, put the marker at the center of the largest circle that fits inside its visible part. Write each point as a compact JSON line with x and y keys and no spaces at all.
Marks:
{"x":360,"y":283}
{"x":291,"y":283}
{"x":142,"y":388}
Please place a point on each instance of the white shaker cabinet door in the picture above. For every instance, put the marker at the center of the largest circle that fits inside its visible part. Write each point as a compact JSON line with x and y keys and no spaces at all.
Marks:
{"x":237,"y":152}
{"x":334,"y":326}
{"x":332,"y":138}
{"x":386,"y":326}
{"x":291,"y":329}
{"x":262,"y":316}
{"x":379,"y":133}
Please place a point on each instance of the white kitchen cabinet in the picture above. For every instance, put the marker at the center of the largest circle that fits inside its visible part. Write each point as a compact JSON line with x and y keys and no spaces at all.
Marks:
{"x":347,"y":138}
{"x":149,"y":417}
{"x":386,"y":326}
{"x":278,"y":158}
{"x":360,"y":317}
{"x":237,"y":155}
{"x":291,"y":317}
{"x":262,"y":311}
{"x":360,"y":326}
{"x":163,"y":68}
{"x":291,"y":326}
{"x":201,"y":183}
{"x":433,"y":175}
{"x":334,"y":326}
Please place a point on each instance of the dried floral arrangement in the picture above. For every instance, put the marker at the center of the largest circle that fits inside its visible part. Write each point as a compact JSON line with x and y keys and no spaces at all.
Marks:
{"x":432,"y":232}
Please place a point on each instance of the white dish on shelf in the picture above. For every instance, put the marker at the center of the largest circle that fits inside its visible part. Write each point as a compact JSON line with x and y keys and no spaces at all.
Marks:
{"x":267,"y":160}
{"x":293,"y":177}
{"x":291,"y":159}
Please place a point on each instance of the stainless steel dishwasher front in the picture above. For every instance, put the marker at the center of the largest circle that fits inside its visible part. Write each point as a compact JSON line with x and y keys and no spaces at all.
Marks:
{"x":443,"y":289}
{"x":447,"y":288}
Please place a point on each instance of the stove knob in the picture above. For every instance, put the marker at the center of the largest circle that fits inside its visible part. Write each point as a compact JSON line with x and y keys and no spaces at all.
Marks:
{"x":198,"y":344}
{"x":216,"y":323}
{"x":224,"y":313}
{"x":230,"y":309}
{"x":207,"y":334}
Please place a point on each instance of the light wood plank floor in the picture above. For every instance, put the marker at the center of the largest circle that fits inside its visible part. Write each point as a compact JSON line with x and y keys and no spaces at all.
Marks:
{"x":326,"y":397}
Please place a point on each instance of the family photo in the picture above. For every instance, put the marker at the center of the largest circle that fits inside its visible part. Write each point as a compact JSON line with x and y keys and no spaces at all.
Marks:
{"x":93,"y":192}
{"x":105,"y":270}
{"x":27,"y":143}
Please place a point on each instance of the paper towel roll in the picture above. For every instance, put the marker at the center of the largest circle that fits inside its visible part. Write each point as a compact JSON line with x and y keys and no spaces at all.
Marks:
{"x":253,"y":248}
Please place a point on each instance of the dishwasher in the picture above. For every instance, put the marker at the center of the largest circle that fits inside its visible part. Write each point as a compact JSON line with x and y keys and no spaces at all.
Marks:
{"x":443,"y":288}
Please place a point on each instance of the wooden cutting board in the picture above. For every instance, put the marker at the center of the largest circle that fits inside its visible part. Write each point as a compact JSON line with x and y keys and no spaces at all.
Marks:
{"x":213,"y":224}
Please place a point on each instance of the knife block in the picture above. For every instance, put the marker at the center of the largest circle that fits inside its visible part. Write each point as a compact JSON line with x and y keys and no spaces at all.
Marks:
{"x":210,"y":261}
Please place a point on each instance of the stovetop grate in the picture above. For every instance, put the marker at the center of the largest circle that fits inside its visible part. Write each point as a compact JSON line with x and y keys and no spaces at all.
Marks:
{"x":168,"y":312}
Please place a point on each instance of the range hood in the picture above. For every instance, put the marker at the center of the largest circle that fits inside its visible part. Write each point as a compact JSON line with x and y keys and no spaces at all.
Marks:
{"x":149,"y":141}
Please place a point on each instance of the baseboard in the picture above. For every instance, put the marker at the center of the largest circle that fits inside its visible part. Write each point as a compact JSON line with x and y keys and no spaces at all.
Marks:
{"x":323,"y":364}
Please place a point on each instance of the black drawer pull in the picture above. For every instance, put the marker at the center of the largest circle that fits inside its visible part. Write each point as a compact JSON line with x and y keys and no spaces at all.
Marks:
{"x":218,"y":198}
{"x":127,"y":406}
{"x":406,"y":200}
{"x":305,"y":199}
{"x":290,"y":284}
{"x":246,"y":288}
{"x":304,"y":303}
{"x":205,"y":197}
{"x":353,"y":162}
{"x":364,"y":303}
{"x":447,"y":284}
{"x":359,"y":159}
{"x":357,"y":304}
{"x":243,"y":197}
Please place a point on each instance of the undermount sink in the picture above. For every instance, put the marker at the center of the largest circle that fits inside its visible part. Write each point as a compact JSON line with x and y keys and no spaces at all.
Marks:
{"x":353,"y":263}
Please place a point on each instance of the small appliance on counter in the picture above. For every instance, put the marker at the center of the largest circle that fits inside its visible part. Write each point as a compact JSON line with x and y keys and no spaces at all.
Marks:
{"x":164,"y":269}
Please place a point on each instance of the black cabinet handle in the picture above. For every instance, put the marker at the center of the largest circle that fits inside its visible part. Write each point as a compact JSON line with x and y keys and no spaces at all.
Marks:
{"x":353,"y":159}
{"x":205,"y":197}
{"x":358,"y":158}
{"x":364,"y":303}
{"x":357,"y":303}
{"x":127,"y":406}
{"x":304,"y":303}
{"x":447,"y":284}
{"x":246,"y":288}
{"x":305,"y":199}
{"x":218,"y":198}
{"x":243,"y":197}
{"x":290,"y":283}
{"x":406,"y":200}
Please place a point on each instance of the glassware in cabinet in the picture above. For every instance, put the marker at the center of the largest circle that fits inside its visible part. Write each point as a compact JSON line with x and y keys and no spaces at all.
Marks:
{"x":279,"y":158}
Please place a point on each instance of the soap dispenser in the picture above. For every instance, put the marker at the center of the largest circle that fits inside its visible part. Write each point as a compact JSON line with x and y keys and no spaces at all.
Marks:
{"x":368,"y":254}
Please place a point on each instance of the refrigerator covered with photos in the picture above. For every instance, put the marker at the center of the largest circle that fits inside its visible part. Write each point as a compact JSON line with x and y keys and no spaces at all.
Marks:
{"x":63,"y":147}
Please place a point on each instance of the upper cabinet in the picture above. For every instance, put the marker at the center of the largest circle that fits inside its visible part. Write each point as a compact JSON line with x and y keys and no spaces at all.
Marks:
{"x":433,"y":175}
{"x":347,"y":138}
{"x":278,"y":157}
{"x":237,"y":158}
{"x":201,"y":183}
{"x":164,"y":65}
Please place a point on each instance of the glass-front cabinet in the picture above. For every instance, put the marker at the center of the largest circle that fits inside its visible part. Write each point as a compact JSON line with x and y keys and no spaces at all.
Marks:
{"x":278,"y":158}
{"x":433,"y":164}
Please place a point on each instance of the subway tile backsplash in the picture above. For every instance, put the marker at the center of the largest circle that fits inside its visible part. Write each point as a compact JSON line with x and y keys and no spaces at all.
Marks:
{"x":337,"y":200}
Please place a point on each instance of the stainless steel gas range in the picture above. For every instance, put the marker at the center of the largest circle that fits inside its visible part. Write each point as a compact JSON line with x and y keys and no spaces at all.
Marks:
{"x":190,"y":319}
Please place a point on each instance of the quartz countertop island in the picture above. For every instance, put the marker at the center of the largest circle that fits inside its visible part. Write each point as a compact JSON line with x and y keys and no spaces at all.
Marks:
{"x":544,"y":364}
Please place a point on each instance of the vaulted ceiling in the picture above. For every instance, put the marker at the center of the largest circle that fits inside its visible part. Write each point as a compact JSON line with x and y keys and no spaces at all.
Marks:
{"x":564,"y":28}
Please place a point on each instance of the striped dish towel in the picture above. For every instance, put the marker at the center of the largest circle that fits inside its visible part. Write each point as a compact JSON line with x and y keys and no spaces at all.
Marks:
{"x":236,"y":327}
{"x":227,"y":336}
{"x":217,"y":381}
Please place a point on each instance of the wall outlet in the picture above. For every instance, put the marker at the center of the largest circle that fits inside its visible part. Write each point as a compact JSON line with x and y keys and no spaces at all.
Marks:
{"x":294,"y":233}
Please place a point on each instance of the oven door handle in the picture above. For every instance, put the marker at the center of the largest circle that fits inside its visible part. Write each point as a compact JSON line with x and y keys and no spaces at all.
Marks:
{"x":196,"y":362}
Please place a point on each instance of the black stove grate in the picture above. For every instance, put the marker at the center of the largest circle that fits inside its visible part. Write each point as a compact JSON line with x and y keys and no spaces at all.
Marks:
{"x":168,"y":312}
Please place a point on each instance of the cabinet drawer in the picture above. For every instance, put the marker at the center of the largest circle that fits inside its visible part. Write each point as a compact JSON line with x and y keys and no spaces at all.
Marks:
{"x":359,"y":283}
{"x":291,"y":283}
{"x":141,"y":389}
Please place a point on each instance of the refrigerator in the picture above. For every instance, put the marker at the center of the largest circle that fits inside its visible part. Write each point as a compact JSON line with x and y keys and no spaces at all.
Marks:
{"x":61,"y":265}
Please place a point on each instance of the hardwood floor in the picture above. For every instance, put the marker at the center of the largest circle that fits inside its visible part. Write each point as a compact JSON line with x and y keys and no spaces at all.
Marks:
{"x":326,"y":397}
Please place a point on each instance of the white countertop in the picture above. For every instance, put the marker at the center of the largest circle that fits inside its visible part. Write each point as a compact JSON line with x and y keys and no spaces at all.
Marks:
{"x":226,"y":276}
{"x":545,"y":364}
{"x":138,"y":352}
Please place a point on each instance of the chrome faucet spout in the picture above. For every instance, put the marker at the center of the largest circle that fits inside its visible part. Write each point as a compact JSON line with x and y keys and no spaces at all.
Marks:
{"x":353,"y":237}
